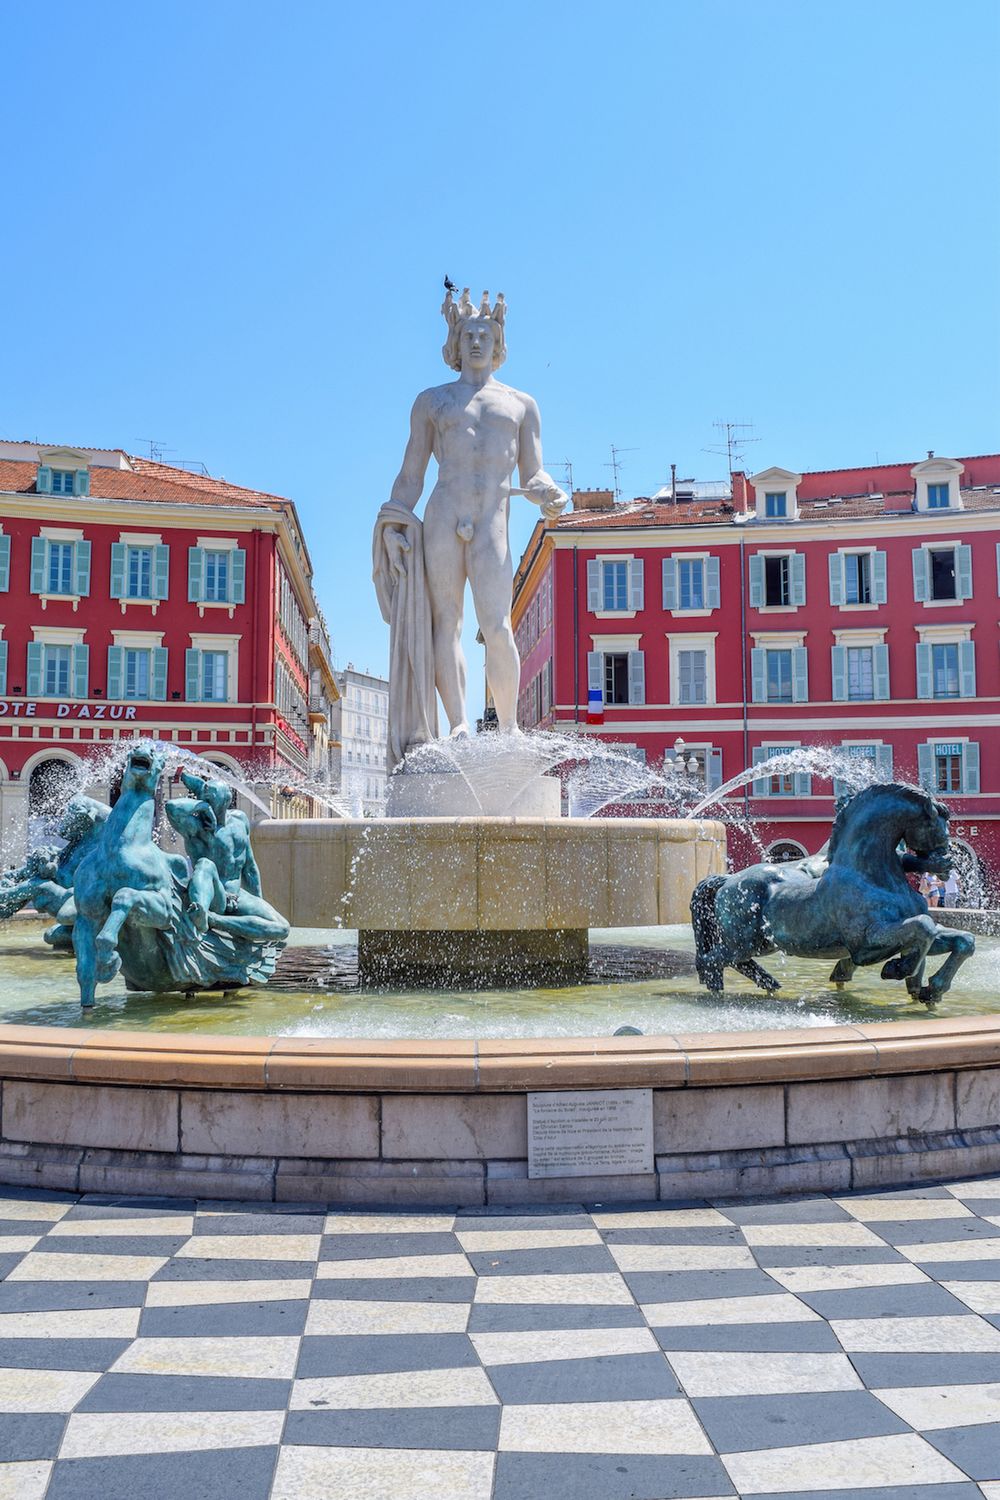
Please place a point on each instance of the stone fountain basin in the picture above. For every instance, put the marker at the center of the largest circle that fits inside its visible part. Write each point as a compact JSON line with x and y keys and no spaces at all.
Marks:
{"x":832,"y":1109}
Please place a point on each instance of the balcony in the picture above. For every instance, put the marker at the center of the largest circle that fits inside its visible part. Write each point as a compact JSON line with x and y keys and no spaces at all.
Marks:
{"x":319,"y":638}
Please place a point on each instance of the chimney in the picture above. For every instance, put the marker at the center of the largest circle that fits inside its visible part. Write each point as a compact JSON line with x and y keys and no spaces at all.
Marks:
{"x":593,"y":499}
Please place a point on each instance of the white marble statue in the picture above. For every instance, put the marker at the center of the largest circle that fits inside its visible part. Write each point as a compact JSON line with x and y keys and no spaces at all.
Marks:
{"x":478,"y":430}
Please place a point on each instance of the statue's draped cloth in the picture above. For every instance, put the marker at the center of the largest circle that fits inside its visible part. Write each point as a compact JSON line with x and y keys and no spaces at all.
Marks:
{"x":406,"y":608}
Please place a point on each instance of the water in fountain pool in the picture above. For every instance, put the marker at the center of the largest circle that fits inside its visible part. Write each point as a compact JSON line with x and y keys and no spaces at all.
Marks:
{"x":641,"y":977}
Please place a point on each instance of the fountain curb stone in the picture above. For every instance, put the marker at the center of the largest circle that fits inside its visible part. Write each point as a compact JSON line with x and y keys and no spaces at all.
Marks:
{"x":838,"y":1109}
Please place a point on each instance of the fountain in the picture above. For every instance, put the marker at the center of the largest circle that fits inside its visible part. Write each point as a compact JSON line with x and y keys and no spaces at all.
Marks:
{"x":504,"y":950}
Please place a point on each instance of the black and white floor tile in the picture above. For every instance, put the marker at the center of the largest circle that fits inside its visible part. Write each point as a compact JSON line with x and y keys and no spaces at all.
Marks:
{"x":835,"y":1349}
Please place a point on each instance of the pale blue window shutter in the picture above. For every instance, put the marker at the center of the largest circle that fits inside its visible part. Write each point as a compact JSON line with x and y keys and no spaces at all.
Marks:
{"x":670,"y":582}
{"x":963,"y":571}
{"x":161,"y":572}
{"x":81,"y":482}
{"x":758,"y":674}
{"x":37,"y":564}
{"x":158,"y":688}
{"x":803,"y":784}
{"x":883,"y":759}
{"x":967,"y":668}
{"x":196,"y":575}
{"x":238,"y":586}
{"x":921,"y":575}
{"x":838,"y":659}
{"x":192,"y":671}
{"x":998,"y":567}
{"x":3,"y":668}
{"x":593,"y":585}
{"x":636,"y":586}
{"x":636,"y":677}
{"x":43,"y":482}
{"x":713,"y":595}
{"x":880,"y":673}
{"x":81,"y":569}
{"x":760,"y":786}
{"x":4,"y":564}
{"x":713,"y":771}
{"x":225,"y":680}
{"x":836,"y":561}
{"x":118,"y":570}
{"x":800,"y":674}
{"x":756,"y":581}
{"x":970,"y":767}
{"x":880,"y":587}
{"x":81,"y":671}
{"x":925,"y":678}
{"x":797,"y":561}
{"x":925,"y":765}
{"x":116,"y":671}
{"x":34,"y":684}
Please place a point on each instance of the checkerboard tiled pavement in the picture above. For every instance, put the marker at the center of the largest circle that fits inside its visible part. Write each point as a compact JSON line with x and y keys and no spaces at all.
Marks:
{"x":824,"y":1347}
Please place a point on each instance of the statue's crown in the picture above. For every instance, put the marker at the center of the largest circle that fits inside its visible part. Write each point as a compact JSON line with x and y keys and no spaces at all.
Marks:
{"x":457,"y":315}
{"x":457,"y":312}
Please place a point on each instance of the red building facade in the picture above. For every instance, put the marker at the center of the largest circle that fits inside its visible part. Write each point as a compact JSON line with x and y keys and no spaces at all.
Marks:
{"x":854,"y":608}
{"x":138,"y":598}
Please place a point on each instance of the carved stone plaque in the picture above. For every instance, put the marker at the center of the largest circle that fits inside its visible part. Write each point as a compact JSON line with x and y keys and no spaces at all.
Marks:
{"x":590,"y":1133}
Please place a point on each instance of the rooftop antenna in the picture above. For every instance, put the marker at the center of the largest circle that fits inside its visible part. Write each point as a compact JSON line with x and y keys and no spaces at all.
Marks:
{"x":731,"y":445}
{"x":157,"y":448}
{"x":616,"y":467}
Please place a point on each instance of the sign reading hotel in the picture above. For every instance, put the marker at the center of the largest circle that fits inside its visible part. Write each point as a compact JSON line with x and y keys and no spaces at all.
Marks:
{"x":590,"y":1133}
{"x":18,"y":709}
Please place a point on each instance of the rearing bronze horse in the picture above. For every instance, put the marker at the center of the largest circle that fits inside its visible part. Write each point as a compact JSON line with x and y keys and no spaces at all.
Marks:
{"x":860,"y":910}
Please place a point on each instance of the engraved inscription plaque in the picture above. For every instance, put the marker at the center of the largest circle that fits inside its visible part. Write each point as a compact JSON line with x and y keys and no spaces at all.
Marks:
{"x":590,"y":1133}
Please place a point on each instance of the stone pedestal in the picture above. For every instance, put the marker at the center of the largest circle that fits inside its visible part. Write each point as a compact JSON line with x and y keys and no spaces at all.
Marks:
{"x":480,"y":959}
{"x":450,"y":795}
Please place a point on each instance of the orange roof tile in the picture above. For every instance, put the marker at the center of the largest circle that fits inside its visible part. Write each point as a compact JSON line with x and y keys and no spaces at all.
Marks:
{"x":148,"y":482}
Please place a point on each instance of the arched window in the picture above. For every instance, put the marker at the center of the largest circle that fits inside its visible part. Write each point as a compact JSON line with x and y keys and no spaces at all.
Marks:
{"x":785,"y":850}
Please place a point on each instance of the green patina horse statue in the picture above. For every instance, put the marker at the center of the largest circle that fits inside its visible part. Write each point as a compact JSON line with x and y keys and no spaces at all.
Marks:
{"x":859,"y":909}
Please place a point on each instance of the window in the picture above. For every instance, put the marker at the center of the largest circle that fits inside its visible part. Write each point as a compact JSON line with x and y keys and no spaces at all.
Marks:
{"x":860,"y":673}
{"x":938,"y":496}
{"x":945,"y":670}
{"x":214,"y":673}
{"x":616,"y":677}
{"x":777,"y":583}
{"x":62,"y":481}
{"x":779,"y":676}
{"x":691,"y":583}
{"x":614,"y":586}
{"x":949,"y":766}
{"x":942,"y":566}
{"x":140,"y":573}
{"x":781,"y":781}
{"x":59,"y":572}
{"x":137,"y":673}
{"x":56,"y":664}
{"x":858,"y":578}
{"x":776,"y":505}
{"x":217,"y":577}
{"x":692,"y":676}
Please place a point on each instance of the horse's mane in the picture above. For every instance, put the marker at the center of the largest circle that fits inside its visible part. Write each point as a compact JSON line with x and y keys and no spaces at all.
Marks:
{"x":859,"y":803}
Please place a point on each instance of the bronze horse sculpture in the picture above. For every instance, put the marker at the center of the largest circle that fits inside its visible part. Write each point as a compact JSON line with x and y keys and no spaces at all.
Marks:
{"x":860,"y":909}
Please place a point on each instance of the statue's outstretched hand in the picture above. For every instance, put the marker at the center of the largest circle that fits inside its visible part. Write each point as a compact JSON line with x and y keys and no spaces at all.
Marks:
{"x":396,"y":547}
{"x":546,"y":495}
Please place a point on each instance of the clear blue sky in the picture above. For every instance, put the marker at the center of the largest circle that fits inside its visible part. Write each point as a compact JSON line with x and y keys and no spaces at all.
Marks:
{"x":227,"y":225}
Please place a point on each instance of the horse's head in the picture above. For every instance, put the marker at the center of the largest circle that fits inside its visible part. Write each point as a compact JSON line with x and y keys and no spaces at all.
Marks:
{"x":190,"y":817}
{"x":143,"y":767}
{"x":82,"y":816}
{"x":909,"y":815}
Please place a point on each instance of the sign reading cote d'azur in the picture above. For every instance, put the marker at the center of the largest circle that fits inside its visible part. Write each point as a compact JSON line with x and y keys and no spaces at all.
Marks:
{"x":18,"y":709}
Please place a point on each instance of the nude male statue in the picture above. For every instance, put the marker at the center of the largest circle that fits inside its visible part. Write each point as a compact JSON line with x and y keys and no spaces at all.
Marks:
{"x":478,"y":430}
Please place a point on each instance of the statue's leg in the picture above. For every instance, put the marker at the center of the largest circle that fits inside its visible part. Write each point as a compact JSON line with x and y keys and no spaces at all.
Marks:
{"x":754,"y":971}
{"x":144,"y":908}
{"x":255,"y":920}
{"x":206,"y":893}
{"x":491,"y":575}
{"x":959,"y":946}
{"x":85,"y":948}
{"x":444,"y":566}
{"x":911,"y":939}
{"x":843,"y":972}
